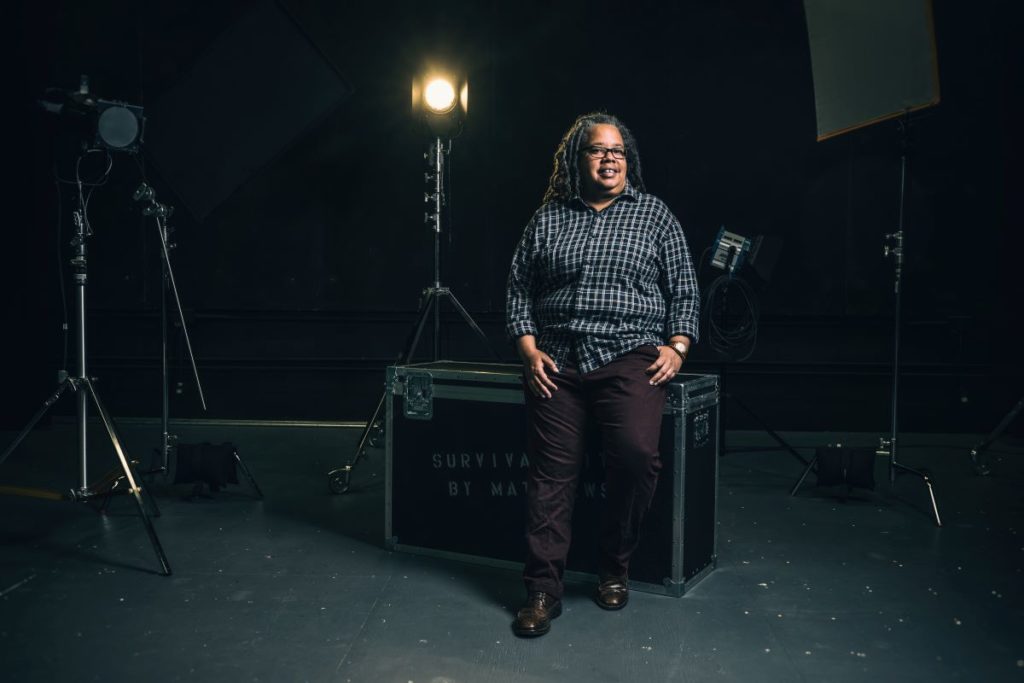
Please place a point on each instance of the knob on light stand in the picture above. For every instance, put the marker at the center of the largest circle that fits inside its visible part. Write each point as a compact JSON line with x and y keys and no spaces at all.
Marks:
{"x":145,"y":193}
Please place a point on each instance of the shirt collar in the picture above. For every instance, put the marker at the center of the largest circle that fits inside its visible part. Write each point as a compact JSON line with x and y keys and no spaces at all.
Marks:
{"x":627,"y":192}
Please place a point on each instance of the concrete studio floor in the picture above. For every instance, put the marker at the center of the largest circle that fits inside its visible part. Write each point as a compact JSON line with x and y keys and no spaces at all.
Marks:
{"x":299,"y":587}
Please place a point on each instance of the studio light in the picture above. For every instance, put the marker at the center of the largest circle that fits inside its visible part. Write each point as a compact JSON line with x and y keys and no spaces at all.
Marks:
{"x":119,"y":126}
{"x":97,"y":123}
{"x":731,"y":250}
{"x":442,"y":100}
{"x":439,"y":96}
{"x":730,"y":302}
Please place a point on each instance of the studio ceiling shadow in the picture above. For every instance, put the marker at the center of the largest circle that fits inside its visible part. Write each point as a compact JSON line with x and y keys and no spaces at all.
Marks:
{"x":259,"y":88}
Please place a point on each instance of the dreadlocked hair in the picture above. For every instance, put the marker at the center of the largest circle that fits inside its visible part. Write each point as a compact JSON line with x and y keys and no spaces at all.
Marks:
{"x":565,"y":178}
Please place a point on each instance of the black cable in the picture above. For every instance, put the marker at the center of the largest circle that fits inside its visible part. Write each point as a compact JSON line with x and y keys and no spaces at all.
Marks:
{"x":102,"y":180}
{"x":84,"y":200}
{"x":732,"y":339}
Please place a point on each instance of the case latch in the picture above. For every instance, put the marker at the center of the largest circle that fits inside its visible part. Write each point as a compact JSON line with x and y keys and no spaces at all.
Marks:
{"x":419,"y":396}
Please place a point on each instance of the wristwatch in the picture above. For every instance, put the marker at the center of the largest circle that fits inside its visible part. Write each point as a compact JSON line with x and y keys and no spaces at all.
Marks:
{"x":680,"y":347}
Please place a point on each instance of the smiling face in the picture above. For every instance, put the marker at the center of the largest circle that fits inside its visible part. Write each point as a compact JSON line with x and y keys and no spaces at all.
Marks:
{"x":602,"y":178}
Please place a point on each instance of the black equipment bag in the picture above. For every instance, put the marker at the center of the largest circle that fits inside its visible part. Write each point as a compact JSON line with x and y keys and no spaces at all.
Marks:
{"x":213,"y":464}
{"x":839,"y":465}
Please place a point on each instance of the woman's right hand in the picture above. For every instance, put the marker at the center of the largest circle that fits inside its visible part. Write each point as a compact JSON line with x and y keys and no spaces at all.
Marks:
{"x":536,"y":365}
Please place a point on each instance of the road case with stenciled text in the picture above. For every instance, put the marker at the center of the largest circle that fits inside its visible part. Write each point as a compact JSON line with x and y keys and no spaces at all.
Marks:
{"x":455,"y":439}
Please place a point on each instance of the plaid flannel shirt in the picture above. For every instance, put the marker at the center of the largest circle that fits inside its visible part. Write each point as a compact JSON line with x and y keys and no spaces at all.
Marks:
{"x":600,"y":284}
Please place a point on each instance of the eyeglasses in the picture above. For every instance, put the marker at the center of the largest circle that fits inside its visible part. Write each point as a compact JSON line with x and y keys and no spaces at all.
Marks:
{"x":599,"y":152}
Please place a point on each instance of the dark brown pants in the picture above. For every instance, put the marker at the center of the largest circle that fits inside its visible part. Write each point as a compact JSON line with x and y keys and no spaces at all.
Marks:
{"x":620,"y":401}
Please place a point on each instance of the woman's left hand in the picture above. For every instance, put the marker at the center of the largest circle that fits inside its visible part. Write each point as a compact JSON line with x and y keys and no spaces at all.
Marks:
{"x":666,"y":367}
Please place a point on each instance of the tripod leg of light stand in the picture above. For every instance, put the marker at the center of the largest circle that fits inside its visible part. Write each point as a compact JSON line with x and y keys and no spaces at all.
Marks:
{"x":340,"y":479}
{"x":807,"y":470}
{"x":181,"y":313}
{"x":134,"y":486}
{"x":248,"y":475}
{"x":979,"y":466}
{"x":472,"y":324}
{"x":429,"y":301}
{"x":927,"y":478}
{"x":54,"y":397}
{"x":771,"y":432}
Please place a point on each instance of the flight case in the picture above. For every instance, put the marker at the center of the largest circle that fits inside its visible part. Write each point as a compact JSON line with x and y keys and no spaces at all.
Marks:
{"x":455,"y":439}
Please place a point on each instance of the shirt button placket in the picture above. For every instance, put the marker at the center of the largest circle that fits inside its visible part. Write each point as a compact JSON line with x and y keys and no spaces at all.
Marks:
{"x":584,"y":271}
{"x":582,"y":357}
{"x":595,"y":226}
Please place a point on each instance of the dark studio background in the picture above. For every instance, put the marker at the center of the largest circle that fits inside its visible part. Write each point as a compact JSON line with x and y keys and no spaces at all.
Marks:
{"x":302,"y":286}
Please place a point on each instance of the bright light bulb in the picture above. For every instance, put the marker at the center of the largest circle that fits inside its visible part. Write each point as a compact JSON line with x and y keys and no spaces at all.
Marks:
{"x":439,"y":95}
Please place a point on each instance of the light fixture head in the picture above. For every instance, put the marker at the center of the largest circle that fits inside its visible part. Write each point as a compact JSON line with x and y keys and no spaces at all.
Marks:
{"x":441,"y":99}
{"x":119,"y":126}
{"x":730,"y":251}
{"x":439,"y":96}
{"x":95,"y":122}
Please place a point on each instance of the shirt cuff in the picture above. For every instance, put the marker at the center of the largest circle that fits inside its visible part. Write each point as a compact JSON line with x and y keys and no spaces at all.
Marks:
{"x":519,"y":328}
{"x":684,"y":327}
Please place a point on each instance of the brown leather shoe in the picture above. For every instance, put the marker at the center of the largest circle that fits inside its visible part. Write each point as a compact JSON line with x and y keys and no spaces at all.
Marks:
{"x":534,"y":618}
{"x":612,"y":593}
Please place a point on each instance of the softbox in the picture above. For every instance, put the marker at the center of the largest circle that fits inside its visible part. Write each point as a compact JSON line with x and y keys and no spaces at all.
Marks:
{"x":871,"y":60}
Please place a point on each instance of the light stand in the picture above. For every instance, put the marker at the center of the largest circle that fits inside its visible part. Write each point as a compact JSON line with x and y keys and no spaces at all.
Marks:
{"x":161,"y":214}
{"x":82,"y":385}
{"x":339,"y":479}
{"x":894,"y":248}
